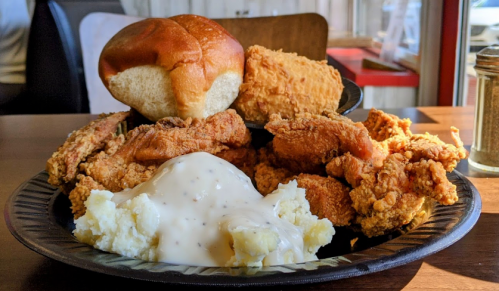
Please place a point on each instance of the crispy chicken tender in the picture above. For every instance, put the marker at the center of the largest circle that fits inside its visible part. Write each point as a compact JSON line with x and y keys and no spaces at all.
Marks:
{"x":107,"y":161}
{"x":268,"y":177}
{"x":308,"y":142}
{"x":430,"y":147}
{"x":430,"y":180}
{"x":285,"y":83}
{"x":215,"y":133}
{"x":405,"y":169}
{"x":80,"y":193}
{"x":328,"y":198}
{"x":385,"y":201}
{"x":349,"y":167}
{"x":63,"y":164}
{"x":148,"y":146}
{"x":394,"y":136}
{"x":382,"y":126}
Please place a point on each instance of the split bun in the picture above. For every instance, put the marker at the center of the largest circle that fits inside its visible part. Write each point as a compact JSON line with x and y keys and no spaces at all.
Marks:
{"x":185,"y":66}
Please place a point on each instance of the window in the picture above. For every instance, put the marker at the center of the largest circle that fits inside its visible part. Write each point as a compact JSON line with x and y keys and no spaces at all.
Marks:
{"x":412,"y":37}
{"x":394,"y":26}
{"x":485,"y":3}
{"x":484,"y":23}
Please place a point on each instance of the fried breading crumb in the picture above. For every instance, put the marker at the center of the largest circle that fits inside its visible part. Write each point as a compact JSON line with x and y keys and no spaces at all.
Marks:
{"x":353,"y":241}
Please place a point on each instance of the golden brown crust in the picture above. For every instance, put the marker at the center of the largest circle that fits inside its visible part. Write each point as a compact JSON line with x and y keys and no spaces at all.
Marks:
{"x":62,"y":165}
{"x":285,"y":83}
{"x":328,"y":198}
{"x":382,"y":126}
{"x":148,"y":146}
{"x":194,"y":49}
{"x":308,"y":142}
{"x":389,"y":185}
{"x":80,"y":193}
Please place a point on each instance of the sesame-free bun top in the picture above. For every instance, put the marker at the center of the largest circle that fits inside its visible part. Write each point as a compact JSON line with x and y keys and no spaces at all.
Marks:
{"x":186,"y":66}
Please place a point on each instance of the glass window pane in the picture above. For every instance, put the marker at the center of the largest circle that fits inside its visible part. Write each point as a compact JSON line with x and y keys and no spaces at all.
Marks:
{"x":483,"y":31}
{"x":486,"y":3}
{"x":374,"y":18}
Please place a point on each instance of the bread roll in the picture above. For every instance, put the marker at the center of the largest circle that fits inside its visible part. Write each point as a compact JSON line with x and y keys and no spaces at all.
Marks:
{"x":186,"y":66}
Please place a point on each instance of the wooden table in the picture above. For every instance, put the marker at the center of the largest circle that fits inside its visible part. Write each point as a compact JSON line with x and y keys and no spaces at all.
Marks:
{"x":26,"y":142}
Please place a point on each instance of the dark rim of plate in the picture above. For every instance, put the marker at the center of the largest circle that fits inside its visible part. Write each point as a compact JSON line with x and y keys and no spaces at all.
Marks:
{"x":38,"y":215}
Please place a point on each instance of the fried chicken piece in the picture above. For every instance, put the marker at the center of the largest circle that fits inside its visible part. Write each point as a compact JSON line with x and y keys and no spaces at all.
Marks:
{"x":120,"y":170}
{"x":352,"y":168}
{"x":395,"y":136}
{"x":348,"y":167}
{"x":63,"y":164}
{"x":245,"y":159}
{"x":391,"y":217}
{"x":382,"y":126}
{"x":430,"y":147}
{"x":328,"y":198}
{"x":148,"y":146}
{"x":308,"y":142}
{"x":268,"y":177}
{"x":220,"y":131}
{"x":80,"y":193}
{"x":127,"y":176}
{"x":116,"y":174}
{"x":285,"y":83}
{"x":430,"y":180}
{"x":385,"y":200}
{"x":412,"y":168}
{"x":133,"y":175}
{"x":389,"y":197}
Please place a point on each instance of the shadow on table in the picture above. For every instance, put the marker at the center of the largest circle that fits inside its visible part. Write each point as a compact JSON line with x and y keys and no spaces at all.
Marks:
{"x":476,"y":254}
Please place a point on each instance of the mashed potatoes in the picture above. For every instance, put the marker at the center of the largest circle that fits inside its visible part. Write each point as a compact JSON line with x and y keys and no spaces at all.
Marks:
{"x":201,"y":210}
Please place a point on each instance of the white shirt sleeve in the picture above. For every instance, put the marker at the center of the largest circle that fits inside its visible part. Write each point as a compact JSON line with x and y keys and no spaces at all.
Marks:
{"x":14,"y":30}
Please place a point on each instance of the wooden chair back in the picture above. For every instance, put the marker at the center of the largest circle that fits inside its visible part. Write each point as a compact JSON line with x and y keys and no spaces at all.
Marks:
{"x":305,"y":34}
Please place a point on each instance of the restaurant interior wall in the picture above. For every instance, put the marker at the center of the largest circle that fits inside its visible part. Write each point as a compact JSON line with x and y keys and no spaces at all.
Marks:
{"x":338,"y":13}
{"x":344,"y":18}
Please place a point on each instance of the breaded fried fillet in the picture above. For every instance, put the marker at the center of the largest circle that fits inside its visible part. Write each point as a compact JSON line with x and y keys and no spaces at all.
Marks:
{"x":285,"y":83}
{"x":311,"y":141}
{"x":148,"y":146}
{"x":328,"y":198}
{"x":62,"y":166}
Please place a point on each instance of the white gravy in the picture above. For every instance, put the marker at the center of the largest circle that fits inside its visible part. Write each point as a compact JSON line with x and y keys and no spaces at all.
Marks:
{"x":199,"y":197}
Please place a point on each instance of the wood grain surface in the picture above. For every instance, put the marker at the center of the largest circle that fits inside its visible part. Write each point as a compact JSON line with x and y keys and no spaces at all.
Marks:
{"x":305,"y":34}
{"x":472,"y":263}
